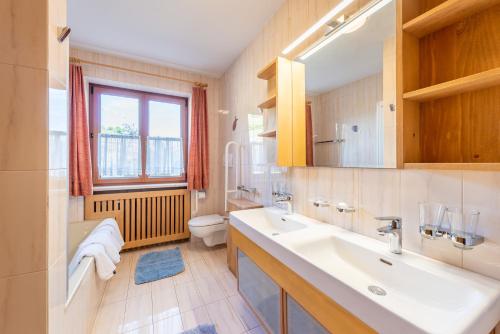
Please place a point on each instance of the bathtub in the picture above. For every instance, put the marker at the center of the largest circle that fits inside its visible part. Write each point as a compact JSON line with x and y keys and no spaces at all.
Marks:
{"x":85,"y":288}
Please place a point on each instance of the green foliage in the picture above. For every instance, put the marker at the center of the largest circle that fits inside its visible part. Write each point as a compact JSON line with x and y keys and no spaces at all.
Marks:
{"x":124,"y":129}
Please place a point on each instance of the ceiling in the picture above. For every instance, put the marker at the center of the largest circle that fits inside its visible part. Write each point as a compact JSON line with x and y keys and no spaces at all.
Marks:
{"x":198,"y":35}
{"x":351,"y":56}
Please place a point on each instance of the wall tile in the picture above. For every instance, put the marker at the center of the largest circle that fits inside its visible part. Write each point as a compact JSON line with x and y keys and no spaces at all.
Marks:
{"x":23,"y":120}
{"x":23,"y":215}
{"x":379,"y":195}
{"x":319,"y":189}
{"x":57,"y":213}
{"x":57,"y":295}
{"x":24,"y":39}
{"x":23,"y":303}
{"x":299,"y":190}
{"x":344,"y":189}
{"x":481,"y":191}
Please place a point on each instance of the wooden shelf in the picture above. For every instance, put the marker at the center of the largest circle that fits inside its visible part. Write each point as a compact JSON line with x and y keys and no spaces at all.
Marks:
{"x":445,"y":14}
{"x":268,"y":134}
{"x":243,"y":204}
{"x":268,"y":72}
{"x":454,"y":166}
{"x":269,"y":103}
{"x":469,"y":83}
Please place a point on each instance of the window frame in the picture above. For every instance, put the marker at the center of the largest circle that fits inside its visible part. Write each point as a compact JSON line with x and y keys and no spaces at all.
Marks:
{"x":95,"y":90}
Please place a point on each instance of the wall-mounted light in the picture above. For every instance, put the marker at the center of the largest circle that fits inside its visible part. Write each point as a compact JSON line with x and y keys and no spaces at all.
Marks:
{"x":63,"y":33}
{"x":324,"y":20}
{"x":352,"y":24}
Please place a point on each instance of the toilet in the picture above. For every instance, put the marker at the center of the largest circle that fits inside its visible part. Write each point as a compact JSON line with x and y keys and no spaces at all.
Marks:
{"x":211,"y":228}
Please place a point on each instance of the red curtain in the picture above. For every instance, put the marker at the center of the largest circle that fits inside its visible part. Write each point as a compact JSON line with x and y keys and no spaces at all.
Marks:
{"x":309,"y":136}
{"x":197,"y":173}
{"x":80,"y":167}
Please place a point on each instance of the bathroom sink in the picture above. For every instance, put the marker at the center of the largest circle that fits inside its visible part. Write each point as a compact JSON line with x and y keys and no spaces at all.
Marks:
{"x":392,"y":293}
{"x":420,"y":290}
{"x":272,"y":221}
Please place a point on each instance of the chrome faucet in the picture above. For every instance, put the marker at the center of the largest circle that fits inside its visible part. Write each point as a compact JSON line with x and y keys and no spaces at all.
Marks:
{"x":284,"y":198}
{"x":393,"y":230}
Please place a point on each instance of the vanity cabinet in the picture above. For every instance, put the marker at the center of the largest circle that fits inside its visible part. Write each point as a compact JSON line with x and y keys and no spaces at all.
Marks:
{"x":284,"y":110}
{"x":299,"y":321}
{"x":260,"y":292}
{"x":282,"y":300}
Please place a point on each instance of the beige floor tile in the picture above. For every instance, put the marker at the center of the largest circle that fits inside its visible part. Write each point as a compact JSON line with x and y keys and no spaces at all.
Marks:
{"x":171,"y":325}
{"x":225,"y":319}
{"x":188,"y":296}
{"x":143,"y":330}
{"x":109,"y":319}
{"x":164,"y":300}
{"x":196,"y":317}
{"x":185,"y":276}
{"x":241,"y":308}
{"x":135,"y":290}
{"x":257,"y":330}
{"x":210,"y":290}
{"x":200,"y":269}
{"x":192,"y":251}
{"x":214,"y":261}
{"x":228,"y":282}
{"x":116,"y":290}
{"x":138,"y":312}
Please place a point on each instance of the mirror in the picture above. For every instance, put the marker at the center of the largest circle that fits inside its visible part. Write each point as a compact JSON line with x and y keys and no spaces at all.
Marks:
{"x":351,"y":91}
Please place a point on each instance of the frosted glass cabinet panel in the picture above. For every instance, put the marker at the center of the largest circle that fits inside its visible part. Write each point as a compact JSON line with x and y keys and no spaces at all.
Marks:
{"x":299,"y":321}
{"x":260,"y":291}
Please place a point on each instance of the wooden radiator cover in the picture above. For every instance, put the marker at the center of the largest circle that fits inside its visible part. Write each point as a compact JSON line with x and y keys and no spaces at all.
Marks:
{"x":145,"y":218}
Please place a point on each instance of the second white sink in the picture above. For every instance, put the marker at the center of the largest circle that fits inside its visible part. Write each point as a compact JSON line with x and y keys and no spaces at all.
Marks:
{"x":392,"y":293}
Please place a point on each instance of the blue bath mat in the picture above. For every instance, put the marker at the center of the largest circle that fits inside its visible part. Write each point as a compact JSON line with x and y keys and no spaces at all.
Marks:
{"x":202,"y":329}
{"x":157,"y":265}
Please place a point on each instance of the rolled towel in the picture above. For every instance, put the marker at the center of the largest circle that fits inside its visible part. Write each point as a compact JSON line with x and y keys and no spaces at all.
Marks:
{"x":116,"y":238}
{"x":111,"y":222}
{"x":103,"y":237}
{"x":104,"y":266}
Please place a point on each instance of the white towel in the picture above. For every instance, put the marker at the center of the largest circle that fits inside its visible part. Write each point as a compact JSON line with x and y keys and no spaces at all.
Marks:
{"x":104,"y":266}
{"x":111,"y":223}
{"x":111,"y":226}
{"x":103,"y":238}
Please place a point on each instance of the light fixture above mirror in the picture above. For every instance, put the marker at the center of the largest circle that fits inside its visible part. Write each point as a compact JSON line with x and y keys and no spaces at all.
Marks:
{"x":352,"y":24}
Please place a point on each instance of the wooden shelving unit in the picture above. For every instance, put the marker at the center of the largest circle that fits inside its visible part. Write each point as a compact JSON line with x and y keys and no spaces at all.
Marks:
{"x":268,"y":104}
{"x":284,"y":110}
{"x":448,"y":84}
{"x":268,"y":72}
{"x":466,"y":84}
{"x":268,"y":134}
{"x":454,"y":166}
{"x":445,"y":14}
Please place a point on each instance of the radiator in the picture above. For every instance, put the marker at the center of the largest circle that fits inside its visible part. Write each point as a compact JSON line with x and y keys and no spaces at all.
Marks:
{"x":144,"y":218}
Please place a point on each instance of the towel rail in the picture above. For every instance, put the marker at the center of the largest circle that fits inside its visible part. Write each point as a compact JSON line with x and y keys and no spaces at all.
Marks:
{"x":145,"y":218}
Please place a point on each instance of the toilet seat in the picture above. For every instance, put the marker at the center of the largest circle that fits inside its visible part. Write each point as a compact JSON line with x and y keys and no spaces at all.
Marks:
{"x":205,"y":221}
{"x":211,"y":228}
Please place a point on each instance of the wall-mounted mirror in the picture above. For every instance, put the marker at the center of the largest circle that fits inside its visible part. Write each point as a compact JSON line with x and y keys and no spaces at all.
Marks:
{"x":351,"y":91}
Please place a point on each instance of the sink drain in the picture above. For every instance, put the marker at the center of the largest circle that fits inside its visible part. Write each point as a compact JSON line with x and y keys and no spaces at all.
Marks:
{"x":377,"y":290}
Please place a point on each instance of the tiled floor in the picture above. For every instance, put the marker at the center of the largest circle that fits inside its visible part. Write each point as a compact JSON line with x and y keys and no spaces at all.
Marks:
{"x":206,"y":292}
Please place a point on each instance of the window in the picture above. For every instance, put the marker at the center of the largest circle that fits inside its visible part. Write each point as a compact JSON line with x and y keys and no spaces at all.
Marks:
{"x":257,"y":152}
{"x":137,"y":137}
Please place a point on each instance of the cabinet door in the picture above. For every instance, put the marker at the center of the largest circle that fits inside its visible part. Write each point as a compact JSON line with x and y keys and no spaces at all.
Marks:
{"x":260,"y":291}
{"x":299,"y":321}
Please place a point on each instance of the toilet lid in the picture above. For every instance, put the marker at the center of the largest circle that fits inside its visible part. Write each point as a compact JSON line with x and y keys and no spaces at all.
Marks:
{"x":206,"y":220}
